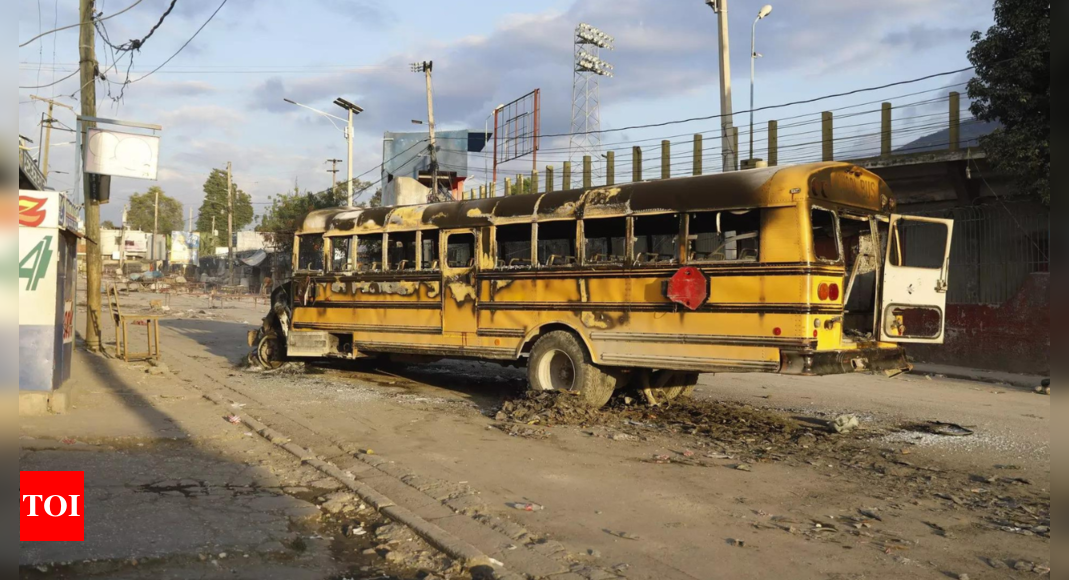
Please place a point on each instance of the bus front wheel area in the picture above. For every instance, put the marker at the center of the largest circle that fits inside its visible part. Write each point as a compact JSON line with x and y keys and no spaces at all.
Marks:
{"x":559,"y":362}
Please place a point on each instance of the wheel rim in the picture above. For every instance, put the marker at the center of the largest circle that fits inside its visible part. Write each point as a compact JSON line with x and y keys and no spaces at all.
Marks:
{"x":268,"y":353}
{"x":556,"y":371}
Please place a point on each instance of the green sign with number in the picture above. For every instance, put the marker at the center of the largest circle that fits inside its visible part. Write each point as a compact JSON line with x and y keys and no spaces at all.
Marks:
{"x":34,"y":265}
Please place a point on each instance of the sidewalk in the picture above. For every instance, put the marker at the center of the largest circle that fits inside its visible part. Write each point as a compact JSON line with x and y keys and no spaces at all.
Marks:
{"x":1013,"y":379}
{"x":175,"y":491}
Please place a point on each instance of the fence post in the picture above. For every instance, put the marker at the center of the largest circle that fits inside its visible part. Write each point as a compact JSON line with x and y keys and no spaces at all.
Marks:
{"x":534,"y":181}
{"x":636,"y":164}
{"x":955,"y":121}
{"x":773,"y":143}
{"x":697,"y":154}
{"x":735,"y":147}
{"x":519,"y":185}
{"x":566,"y":176}
{"x":666,"y":159}
{"x":827,"y":136}
{"x":588,"y":172}
{"x":482,"y":192}
{"x":508,"y":186}
{"x":885,"y":130}
{"x":610,"y":168}
{"x":549,"y":179}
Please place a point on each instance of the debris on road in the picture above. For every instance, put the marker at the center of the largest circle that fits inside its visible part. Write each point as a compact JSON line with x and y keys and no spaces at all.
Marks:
{"x":526,"y":507}
{"x":845,"y":423}
{"x":233,"y":419}
{"x":623,"y":535}
{"x":736,"y":543}
{"x":944,"y":429}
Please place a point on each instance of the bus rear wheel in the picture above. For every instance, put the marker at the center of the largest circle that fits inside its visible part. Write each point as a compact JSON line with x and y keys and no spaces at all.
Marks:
{"x":559,"y":362}
{"x":680,"y":386}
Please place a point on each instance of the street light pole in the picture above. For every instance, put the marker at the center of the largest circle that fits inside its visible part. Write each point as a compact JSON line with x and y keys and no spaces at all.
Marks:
{"x":727,"y":122}
{"x":765,"y":11}
{"x":352,"y":110}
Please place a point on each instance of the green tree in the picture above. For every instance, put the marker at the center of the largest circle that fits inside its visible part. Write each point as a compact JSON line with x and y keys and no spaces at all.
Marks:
{"x":143,"y":209}
{"x":108,"y":225}
{"x":215,"y":207}
{"x":521,"y":187}
{"x":1012,"y":86}
{"x":288,"y":210}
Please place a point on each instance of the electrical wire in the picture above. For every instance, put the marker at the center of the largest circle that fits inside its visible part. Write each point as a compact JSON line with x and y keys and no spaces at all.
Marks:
{"x":181,"y":48}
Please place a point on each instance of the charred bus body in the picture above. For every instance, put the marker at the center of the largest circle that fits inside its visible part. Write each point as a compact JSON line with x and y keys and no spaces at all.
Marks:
{"x":803,"y":270}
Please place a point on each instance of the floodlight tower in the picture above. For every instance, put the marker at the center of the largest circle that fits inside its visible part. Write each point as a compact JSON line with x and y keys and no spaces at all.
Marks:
{"x":586,"y":114}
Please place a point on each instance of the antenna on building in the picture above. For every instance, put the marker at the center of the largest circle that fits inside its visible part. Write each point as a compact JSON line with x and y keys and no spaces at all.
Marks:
{"x":586,"y":98}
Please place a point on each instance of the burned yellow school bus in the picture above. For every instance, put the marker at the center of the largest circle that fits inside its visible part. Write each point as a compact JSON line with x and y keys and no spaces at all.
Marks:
{"x":802,"y":270}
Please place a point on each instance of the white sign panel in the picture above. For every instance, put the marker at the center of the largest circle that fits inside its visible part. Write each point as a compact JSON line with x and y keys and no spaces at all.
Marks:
{"x":122,"y":154}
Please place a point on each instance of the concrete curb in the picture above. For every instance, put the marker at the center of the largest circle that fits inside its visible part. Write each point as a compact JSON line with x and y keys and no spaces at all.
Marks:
{"x":457,"y":549}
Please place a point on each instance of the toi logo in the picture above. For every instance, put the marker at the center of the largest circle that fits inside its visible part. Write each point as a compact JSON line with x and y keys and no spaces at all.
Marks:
{"x":52,"y":506}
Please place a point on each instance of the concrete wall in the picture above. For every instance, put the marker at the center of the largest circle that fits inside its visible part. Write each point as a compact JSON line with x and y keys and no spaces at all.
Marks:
{"x":1011,"y":337}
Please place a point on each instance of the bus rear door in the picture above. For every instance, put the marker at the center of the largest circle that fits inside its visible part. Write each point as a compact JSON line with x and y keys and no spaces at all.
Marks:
{"x":915,"y":281}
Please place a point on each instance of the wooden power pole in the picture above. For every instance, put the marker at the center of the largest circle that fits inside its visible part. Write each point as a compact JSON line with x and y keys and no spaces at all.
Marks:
{"x":94,"y":262}
{"x":230,"y":222}
{"x":333,"y":174}
{"x":155,"y":227}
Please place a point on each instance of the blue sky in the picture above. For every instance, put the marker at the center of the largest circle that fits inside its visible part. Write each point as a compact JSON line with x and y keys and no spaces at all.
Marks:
{"x":221,"y":99}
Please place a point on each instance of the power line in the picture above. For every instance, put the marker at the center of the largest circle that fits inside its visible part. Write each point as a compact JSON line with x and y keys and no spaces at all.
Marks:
{"x":182,"y":47}
{"x":91,"y":20}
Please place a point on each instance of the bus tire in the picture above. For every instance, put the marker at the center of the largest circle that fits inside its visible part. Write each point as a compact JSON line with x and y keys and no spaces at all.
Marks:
{"x":681,"y":386}
{"x":559,"y":362}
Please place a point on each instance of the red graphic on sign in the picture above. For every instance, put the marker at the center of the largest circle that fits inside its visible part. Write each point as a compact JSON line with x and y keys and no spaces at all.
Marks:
{"x":52,"y":506}
{"x":68,"y":322}
{"x":31,"y":211}
{"x":688,"y":287}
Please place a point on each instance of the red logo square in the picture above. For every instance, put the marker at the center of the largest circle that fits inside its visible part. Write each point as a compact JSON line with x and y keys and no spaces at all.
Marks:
{"x":52,"y":506}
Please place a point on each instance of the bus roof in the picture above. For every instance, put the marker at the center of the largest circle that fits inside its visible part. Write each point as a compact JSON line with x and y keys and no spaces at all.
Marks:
{"x":838,"y":184}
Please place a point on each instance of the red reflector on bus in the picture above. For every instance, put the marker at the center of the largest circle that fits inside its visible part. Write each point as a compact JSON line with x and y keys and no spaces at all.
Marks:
{"x":823,"y":291}
{"x":814,"y":334}
{"x":777,"y":331}
{"x":833,"y":293}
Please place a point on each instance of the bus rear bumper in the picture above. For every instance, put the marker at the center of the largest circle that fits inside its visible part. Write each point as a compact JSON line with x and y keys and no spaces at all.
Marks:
{"x":891,"y":360}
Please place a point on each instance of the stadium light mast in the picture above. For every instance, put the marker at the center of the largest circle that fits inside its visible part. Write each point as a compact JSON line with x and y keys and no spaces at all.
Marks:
{"x":586,"y":97}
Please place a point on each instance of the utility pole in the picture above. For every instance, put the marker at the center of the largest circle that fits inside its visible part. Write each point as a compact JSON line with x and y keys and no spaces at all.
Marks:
{"x":190,"y":229}
{"x":333,"y":171}
{"x":94,"y":262}
{"x":155,"y":226}
{"x":230,"y":223}
{"x":426,"y":67}
{"x":727,"y":122}
{"x":48,"y":132}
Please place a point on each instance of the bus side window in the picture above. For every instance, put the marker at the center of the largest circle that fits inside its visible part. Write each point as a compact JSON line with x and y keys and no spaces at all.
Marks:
{"x":401,"y":251}
{"x":724,"y":236}
{"x":310,"y":253}
{"x":657,"y":239}
{"x":369,"y":253}
{"x":605,"y":241}
{"x":430,"y":250}
{"x":340,"y":254}
{"x":825,"y":235}
{"x":460,"y":251}
{"x":556,"y":243}
{"x":514,"y":246}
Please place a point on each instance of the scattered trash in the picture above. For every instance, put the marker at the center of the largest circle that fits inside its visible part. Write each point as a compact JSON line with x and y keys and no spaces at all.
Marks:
{"x":1043,"y":389}
{"x":736,"y":543}
{"x":353,"y":530}
{"x":1008,"y":467}
{"x":844,"y":424}
{"x":497,"y":563}
{"x":69,"y":441}
{"x":593,"y":553}
{"x":367,"y":451}
{"x":963,"y":577}
{"x":233,"y":419}
{"x":946,"y":429}
{"x":1023,"y":566}
{"x":623,"y":535}
{"x":870,"y":514}
{"x":743,"y":467}
{"x":623,"y":437}
{"x":526,"y":507}
{"x":688,"y":453}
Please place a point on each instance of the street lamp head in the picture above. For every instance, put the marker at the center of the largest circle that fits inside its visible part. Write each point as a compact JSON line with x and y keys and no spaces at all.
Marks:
{"x":765,"y":11}
{"x":348,"y":106}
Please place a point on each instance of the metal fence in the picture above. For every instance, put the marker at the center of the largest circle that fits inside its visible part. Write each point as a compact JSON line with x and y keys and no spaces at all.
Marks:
{"x":995,"y":248}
